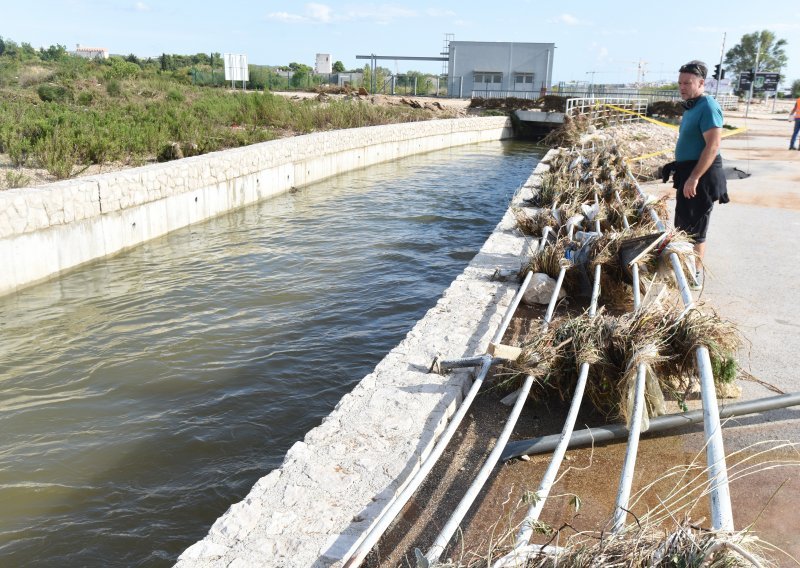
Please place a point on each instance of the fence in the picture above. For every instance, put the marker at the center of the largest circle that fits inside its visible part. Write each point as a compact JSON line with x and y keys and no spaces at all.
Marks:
{"x":727,"y":102}
{"x":607,"y":110}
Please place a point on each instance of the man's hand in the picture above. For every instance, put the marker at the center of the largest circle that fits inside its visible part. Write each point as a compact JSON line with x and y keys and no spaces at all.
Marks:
{"x":690,"y":187}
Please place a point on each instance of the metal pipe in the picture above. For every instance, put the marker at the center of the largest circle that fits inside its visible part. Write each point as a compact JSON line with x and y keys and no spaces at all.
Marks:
{"x":522,"y":394}
{"x":608,"y":433}
{"x":386,"y":518}
{"x":721,"y":509}
{"x":629,"y":465}
{"x":465,"y":362}
{"x":526,"y":530}
{"x":554,"y":298}
{"x":595,"y":291}
{"x":512,"y":307}
{"x":436,"y":550}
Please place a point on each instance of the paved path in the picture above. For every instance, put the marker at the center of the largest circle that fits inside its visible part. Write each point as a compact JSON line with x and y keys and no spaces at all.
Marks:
{"x":753,"y":279}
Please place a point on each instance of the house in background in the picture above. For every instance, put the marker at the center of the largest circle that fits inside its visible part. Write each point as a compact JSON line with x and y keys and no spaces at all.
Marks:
{"x":499,"y":69}
{"x":91,"y":52}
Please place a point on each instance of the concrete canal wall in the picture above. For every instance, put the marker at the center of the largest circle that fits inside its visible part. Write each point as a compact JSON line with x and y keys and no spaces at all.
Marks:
{"x":52,"y":228}
{"x":332,"y":486}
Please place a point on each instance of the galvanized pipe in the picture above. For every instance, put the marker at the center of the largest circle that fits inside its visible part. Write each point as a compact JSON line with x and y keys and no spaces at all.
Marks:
{"x":721,"y":509}
{"x":554,"y":298}
{"x":457,"y":516}
{"x":465,"y":362}
{"x":388,"y":515}
{"x":436,"y":550}
{"x":629,"y":465}
{"x":512,"y":308}
{"x":526,"y":529}
{"x":608,"y":433}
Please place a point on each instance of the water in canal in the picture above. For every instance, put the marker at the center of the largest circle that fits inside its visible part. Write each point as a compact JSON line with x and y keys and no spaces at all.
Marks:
{"x":142,"y":395}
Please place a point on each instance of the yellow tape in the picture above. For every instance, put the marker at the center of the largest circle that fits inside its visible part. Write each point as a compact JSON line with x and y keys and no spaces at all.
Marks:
{"x":643,"y":117}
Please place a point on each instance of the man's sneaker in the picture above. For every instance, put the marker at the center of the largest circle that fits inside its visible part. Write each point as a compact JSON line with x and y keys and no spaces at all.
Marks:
{"x":697,"y":282}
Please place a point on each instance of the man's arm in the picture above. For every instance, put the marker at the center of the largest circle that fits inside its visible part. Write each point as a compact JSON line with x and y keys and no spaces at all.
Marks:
{"x":713,"y":138}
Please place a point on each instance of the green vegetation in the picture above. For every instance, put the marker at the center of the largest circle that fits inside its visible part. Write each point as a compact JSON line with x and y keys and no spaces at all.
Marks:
{"x":64,"y":113}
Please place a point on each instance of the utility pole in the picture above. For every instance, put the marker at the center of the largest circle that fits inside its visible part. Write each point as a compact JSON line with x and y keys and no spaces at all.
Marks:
{"x":753,"y":79}
{"x":721,"y":52}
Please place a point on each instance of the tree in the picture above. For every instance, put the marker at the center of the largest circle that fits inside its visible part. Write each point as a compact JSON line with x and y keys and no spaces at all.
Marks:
{"x":796,"y":88}
{"x":55,"y":52}
{"x":770,"y":50}
{"x":338,"y":67}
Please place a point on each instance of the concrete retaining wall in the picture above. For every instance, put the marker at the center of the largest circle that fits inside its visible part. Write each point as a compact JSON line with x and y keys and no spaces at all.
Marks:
{"x":332,"y":486}
{"x":48,"y":229}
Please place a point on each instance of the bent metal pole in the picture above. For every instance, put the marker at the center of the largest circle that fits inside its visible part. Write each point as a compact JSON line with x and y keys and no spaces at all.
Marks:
{"x":526,"y":528}
{"x":389,"y":514}
{"x":721,"y":510}
{"x":444,"y":536}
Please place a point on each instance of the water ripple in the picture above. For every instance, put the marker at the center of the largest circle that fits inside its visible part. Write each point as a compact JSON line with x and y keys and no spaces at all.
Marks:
{"x":144,"y":394}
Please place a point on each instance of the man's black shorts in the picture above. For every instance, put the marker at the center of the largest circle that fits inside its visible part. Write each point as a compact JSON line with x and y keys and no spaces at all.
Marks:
{"x":693,"y":215}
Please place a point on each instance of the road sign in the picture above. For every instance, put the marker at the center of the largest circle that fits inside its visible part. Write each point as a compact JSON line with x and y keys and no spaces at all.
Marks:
{"x":764,"y":82}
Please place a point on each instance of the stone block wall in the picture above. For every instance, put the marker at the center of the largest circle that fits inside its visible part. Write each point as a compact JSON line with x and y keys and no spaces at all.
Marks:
{"x":48,"y":229}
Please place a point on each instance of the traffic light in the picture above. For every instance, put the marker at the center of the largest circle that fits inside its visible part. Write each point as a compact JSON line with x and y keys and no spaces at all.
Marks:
{"x":716,"y":74}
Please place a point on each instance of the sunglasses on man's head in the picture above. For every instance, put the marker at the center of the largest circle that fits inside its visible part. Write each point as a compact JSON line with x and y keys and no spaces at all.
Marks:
{"x":692,"y":68}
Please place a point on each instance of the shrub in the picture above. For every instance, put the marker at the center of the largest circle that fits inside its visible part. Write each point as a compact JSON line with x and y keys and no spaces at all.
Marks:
{"x":113,"y":88}
{"x":57,"y":153}
{"x":175,"y":96}
{"x":50,"y":93}
{"x":16,"y":179}
{"x":85,"y":98}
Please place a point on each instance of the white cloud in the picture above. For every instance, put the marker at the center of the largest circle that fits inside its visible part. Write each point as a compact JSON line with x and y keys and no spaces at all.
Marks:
{"x":437,"y":13}
{"x":315,"y":13}
{"x":285,"y":17}
{"x":141,"y":7}
{"x":569,"y":20}
{"x":318,"y":12}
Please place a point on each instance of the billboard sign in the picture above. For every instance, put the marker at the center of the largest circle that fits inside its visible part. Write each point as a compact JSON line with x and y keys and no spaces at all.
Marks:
{"x":236,"y":67}
{"x":763,"y":82}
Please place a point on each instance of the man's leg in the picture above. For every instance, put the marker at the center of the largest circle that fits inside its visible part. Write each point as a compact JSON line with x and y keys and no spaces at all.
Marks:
{"x":700,"y":250}
{"x":794,"y":134}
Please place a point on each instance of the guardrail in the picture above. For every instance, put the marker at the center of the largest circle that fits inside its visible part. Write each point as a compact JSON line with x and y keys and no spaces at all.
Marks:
{"x":607,"y":110}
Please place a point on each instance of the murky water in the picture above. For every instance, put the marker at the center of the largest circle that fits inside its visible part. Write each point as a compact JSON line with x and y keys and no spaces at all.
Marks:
{"x":142,"y":395}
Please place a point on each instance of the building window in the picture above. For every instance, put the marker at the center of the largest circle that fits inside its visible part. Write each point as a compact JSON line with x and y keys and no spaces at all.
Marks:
{"x":487,"y":77}
{"x":522,"y":78}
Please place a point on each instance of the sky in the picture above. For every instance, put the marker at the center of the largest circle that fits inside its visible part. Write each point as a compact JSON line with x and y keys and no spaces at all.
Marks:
{"x":607,"y":42}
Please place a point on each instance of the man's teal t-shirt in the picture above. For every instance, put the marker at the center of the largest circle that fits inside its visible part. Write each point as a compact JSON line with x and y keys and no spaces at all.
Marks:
{"x":704,"y":115}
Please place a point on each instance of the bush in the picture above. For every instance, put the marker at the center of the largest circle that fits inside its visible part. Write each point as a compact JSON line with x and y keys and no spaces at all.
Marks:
{"x":57,"y":153}
{"x":113,"y":88}
{"x":175,"y":96}
{"x":50,"y":93}
{"x":85,"y":98}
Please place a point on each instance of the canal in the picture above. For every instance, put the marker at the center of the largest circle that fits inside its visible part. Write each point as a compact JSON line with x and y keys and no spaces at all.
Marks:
{"x":142,"y":395}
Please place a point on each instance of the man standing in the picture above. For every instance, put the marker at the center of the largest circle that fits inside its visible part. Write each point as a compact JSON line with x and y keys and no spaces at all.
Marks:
{"x":699,"y":179}
{"x":796,"y":114}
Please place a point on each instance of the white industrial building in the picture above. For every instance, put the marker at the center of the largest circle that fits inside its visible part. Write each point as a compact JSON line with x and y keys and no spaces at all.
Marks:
{"x":499,"y":69}
{"x":323,"y":64}
{"x":91,"y":52}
